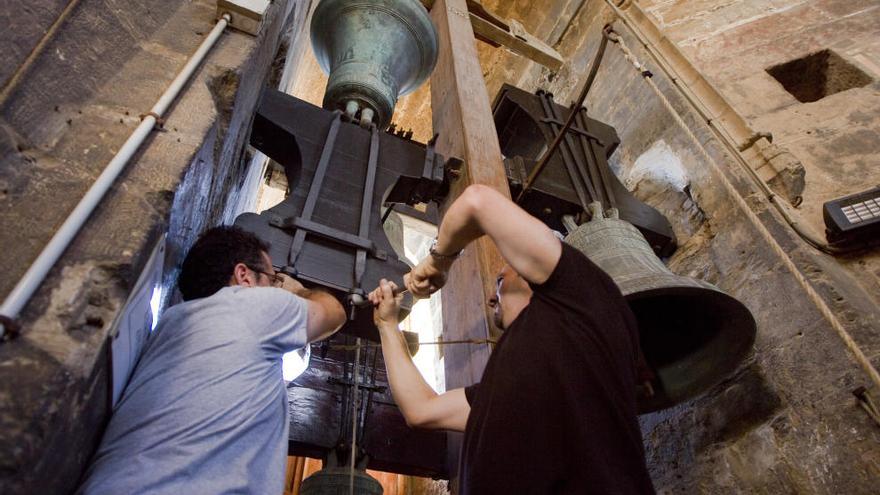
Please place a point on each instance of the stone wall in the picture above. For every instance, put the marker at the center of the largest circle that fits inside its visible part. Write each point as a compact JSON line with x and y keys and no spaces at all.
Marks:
{"x":62,"y":117}
{"x":836,"y":138}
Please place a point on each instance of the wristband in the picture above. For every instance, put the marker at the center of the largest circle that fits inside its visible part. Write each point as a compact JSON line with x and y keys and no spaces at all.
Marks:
{"x":443,"y":257}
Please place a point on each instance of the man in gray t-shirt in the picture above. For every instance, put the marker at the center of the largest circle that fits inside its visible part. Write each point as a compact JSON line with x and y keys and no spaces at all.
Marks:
{"x":205,"y":410}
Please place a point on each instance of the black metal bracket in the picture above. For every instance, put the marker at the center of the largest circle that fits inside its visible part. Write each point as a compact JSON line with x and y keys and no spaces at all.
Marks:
{"x":578,"y":172}
{"x":575,"y":129}
{"x":347,"y":382}
{"x":328,"y":231}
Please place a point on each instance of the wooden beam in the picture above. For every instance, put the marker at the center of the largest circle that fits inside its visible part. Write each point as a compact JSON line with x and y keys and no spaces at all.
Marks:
{"x":517,"y":40}
{"x":496,"y":31}
{"x":462,"y":117}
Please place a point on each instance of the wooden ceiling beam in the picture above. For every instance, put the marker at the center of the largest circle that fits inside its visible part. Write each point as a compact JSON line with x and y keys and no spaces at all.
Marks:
{"x":510,"y":34}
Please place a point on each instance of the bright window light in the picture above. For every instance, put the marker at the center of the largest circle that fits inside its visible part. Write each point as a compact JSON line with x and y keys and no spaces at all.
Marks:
{"x":425,"y":317}
{"x":295,"y":363}
{"x":155,"y":301}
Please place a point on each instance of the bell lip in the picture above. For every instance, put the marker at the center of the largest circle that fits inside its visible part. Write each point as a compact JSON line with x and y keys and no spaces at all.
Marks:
{"x":737,"y":355}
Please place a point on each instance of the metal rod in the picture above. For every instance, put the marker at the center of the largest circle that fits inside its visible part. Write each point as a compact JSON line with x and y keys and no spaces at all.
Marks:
{"x":360,"y":264}
{"x":387,"y":212}
{"x":594,"y":174}
{"x":354,"y":413}
{"x":580,"y":101}
{"x":30,"y":282}
{"x":369,"y":401}
{"x":397,"y":291}
{"x":567,"y":160}
{"x":570,"y":150}
{"x":603,"y":168}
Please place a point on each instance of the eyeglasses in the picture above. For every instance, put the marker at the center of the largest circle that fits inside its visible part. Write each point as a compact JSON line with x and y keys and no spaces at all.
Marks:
{"x":275,"y":277}
{"x":494,"y":301}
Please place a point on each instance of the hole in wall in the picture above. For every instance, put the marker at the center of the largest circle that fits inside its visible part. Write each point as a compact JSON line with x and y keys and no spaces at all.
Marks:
{"x":817,"y":75}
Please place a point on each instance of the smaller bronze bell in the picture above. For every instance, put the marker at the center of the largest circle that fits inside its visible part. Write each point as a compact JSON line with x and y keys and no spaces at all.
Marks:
{"x":338,"y":481}
{"x":692,"y":334}
{"x":373,"y":51}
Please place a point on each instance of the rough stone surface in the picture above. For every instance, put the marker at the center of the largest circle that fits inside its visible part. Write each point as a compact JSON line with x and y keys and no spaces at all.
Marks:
{"x":72,"y":109}
{"x":837,"y":138}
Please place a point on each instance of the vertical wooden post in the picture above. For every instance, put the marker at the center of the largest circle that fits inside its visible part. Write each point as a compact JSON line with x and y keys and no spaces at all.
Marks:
{"x":294,"y":477}
{"x":462,"y":116}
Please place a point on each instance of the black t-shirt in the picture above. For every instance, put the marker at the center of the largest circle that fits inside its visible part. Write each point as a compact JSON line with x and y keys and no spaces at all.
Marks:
{"x":555,"y":412}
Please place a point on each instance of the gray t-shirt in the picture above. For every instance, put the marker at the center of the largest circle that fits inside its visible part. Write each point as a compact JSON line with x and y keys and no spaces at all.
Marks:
{"x":206,"y":408}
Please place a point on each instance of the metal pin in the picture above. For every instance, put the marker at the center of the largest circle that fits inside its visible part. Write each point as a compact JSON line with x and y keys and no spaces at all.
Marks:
{"x":351,"y":108}
{"x":360,"y":301}
{"x":366,"y":117}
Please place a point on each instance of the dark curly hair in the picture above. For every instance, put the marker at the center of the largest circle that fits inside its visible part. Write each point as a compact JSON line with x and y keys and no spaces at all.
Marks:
{"x":210,"y":262}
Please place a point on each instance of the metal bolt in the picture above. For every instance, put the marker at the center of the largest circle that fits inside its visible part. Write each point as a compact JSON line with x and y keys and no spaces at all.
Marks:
{"x":351,"y":108}
{"x":366,"y":117}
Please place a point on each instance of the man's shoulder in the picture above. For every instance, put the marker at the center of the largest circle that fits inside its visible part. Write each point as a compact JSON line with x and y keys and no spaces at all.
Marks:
{"x":574,"y":270}
{"x":256,"y":296}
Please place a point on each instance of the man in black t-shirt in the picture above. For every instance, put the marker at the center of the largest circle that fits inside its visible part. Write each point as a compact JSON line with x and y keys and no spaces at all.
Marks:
{"x":555,"y":411}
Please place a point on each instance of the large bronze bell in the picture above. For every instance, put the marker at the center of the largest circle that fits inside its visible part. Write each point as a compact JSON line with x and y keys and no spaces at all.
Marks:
{"x":692,"y":334}
{"x":374,"y":51}
{"x":339,"y":481}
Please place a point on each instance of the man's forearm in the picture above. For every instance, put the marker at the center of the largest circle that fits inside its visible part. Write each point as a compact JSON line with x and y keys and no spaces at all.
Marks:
{"x":333,"y":314}
{"x":460,"y":225}
{"x":409,"y":388}
{"x":523,"y":240}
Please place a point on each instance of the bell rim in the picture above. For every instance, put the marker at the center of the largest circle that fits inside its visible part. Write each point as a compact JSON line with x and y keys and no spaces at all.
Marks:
{"x":736,"y":355}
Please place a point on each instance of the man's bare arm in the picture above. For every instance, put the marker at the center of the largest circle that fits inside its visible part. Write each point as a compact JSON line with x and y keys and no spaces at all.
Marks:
{"x":524,"y":241}
{"x":420,"y":405}
{"x":326,"y":314}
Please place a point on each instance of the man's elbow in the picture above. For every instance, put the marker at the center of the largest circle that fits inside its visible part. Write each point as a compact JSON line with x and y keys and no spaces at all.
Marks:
{"x":416,"y":419}
{"x":326,"y":317}
{"x":477,"y":196}
{"x":426,"y":415}
{"x":337,"y":316}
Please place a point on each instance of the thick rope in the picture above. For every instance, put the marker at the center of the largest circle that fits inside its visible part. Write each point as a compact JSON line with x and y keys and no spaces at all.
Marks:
{"x":741,"y":202}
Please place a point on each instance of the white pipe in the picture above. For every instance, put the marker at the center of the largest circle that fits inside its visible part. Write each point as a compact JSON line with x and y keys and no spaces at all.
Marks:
{"x":30,"y":282}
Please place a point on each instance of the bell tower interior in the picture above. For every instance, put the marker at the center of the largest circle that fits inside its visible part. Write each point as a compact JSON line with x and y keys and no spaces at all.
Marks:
{"x":718,"y":159}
